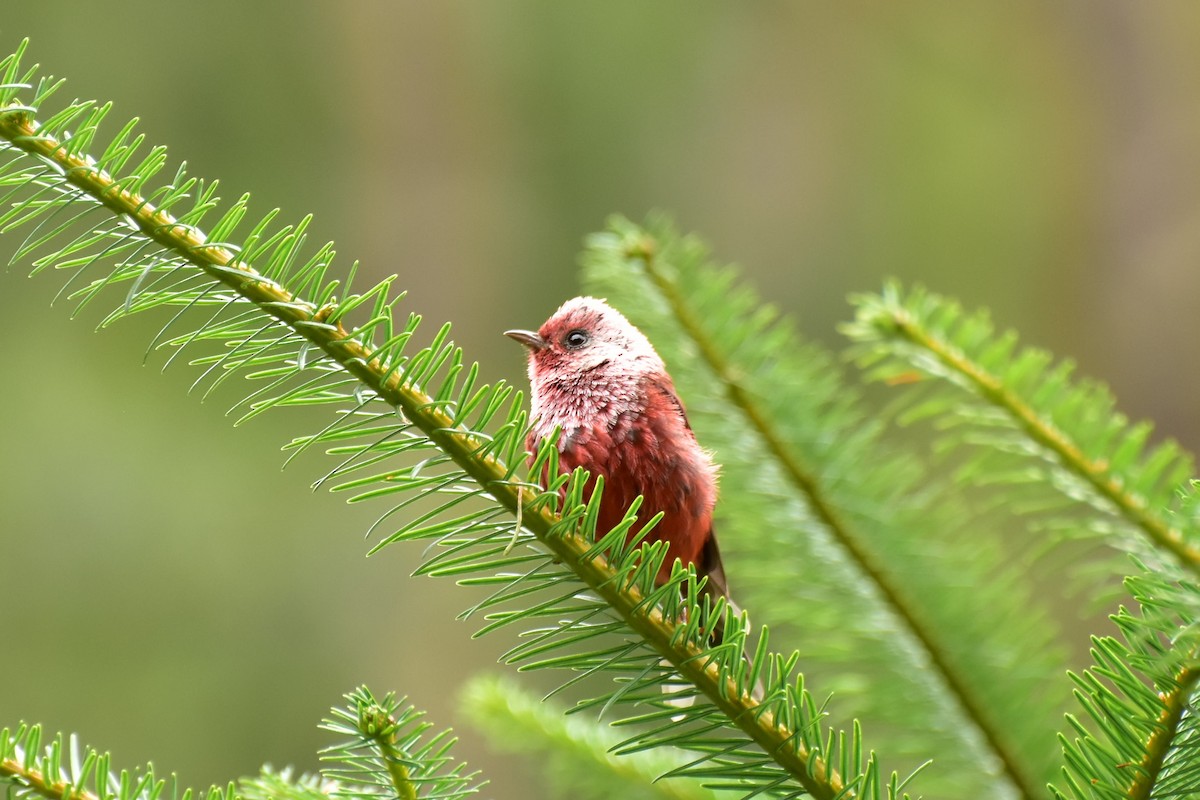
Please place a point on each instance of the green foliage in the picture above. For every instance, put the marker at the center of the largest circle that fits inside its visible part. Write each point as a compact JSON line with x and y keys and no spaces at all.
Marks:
{"x":1030,"y":425}
{"x":1027,"y":425}
{"x":281,"y":785}
{"x":384,"y":751}
{"x":901,"y":585}
{"x":576,"y":758}
{"x":1141,"y":693}
{"x":261,"y":305}
{"x":58,"y":769}
{"x":884,"y":582}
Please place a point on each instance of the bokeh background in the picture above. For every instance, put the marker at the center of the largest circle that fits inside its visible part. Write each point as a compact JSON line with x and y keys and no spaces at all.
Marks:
{"x":169,"y":594}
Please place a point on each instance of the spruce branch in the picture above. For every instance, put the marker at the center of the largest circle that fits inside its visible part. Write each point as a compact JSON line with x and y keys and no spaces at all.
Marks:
{"x":1075,"y":426}
{"x":386,"y":750}
{"x":1175,"y":703}
{"x":271,"y":784}
{"x":168,"y":260}
{"x":1141,"y":695}
{"x":864,"y":521}
{"x":17,"y":770}
{"x":388,"y":753}
{"x":644,"y":248}
{"x":376,"y":724}
{"x":61,"y":769}
{"x":577,"y":754}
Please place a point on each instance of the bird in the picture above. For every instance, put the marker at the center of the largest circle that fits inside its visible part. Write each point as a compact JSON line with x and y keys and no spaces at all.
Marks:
{"x":597,"y":380}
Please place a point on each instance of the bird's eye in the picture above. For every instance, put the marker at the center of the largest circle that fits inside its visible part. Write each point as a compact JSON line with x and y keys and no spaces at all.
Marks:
{"x":576,"y":339}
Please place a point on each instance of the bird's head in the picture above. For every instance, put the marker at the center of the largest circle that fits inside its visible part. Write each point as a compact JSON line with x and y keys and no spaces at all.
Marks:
{"x":586,"y":339}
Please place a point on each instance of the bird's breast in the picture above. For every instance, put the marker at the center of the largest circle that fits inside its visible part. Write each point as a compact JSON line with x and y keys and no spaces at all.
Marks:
{"x":647,"y":452}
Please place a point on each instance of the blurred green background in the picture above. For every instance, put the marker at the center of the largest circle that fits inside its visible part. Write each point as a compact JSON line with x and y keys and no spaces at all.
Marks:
{"x":169,"y":594}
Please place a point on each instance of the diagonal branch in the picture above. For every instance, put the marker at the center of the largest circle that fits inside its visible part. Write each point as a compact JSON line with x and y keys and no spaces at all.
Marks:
{"x":1045,"y":433}
{"x":35,"y":780}
{"x":766,"y":723}
{"x":1174,"y":704}
{"x":823,"y":507}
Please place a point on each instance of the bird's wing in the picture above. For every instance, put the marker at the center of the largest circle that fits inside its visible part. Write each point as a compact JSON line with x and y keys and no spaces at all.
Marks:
{"x":662,"y":385}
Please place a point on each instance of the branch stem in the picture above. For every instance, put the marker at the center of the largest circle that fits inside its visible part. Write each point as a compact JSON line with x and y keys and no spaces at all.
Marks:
{"x":376,"y":724}
{"x":37,"y":781}
{"x":1175,"y":703}
{"x":1046,"y":434}
{"x":785,"y":746}
{"x":825,"y":510}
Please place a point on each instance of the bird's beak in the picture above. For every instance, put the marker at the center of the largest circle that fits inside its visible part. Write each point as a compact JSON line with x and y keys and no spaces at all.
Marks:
{"x":530,"y":339}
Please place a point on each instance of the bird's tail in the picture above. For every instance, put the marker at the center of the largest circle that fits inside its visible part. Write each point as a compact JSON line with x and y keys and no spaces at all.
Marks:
{"x":715,"y":587}
{"x":711,"y":567}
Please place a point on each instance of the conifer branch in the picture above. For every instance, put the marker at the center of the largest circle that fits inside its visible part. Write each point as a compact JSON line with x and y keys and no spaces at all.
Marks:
{"x":1140,"y":693}
{"x":771,"y":723}
{"x":372,"y":765}
{"x":645,"y":249}
{"x":1146,"y":715}
{"x":34,"y":779}
{"x":270,"y":784}
{"x":1167,"y":726}
{"x":59,"y":769}
{"x":891,"y":319}
{"x":579,"y":754}
{"x":376,"y":724}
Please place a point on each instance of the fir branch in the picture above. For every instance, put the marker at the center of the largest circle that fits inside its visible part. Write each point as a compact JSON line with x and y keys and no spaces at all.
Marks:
{"x":386,"y":750}
{"x":62,"y":770}
{"x":379,"y":726}
{"x":398,"y":749}
{"x":1141,"y":695}
{"x":271,"y":784}
{"x":932,"y":335}
{"x":884,"y":520}
{"x":33,"y":779}
{"x":813,"y":489}
{"x":577,"y":754}
{"x":431,"y":397}
{"x":1175,"y":703}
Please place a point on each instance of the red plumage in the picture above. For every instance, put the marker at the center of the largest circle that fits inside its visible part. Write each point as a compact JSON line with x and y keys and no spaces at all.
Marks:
{"x":597,"y":378}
